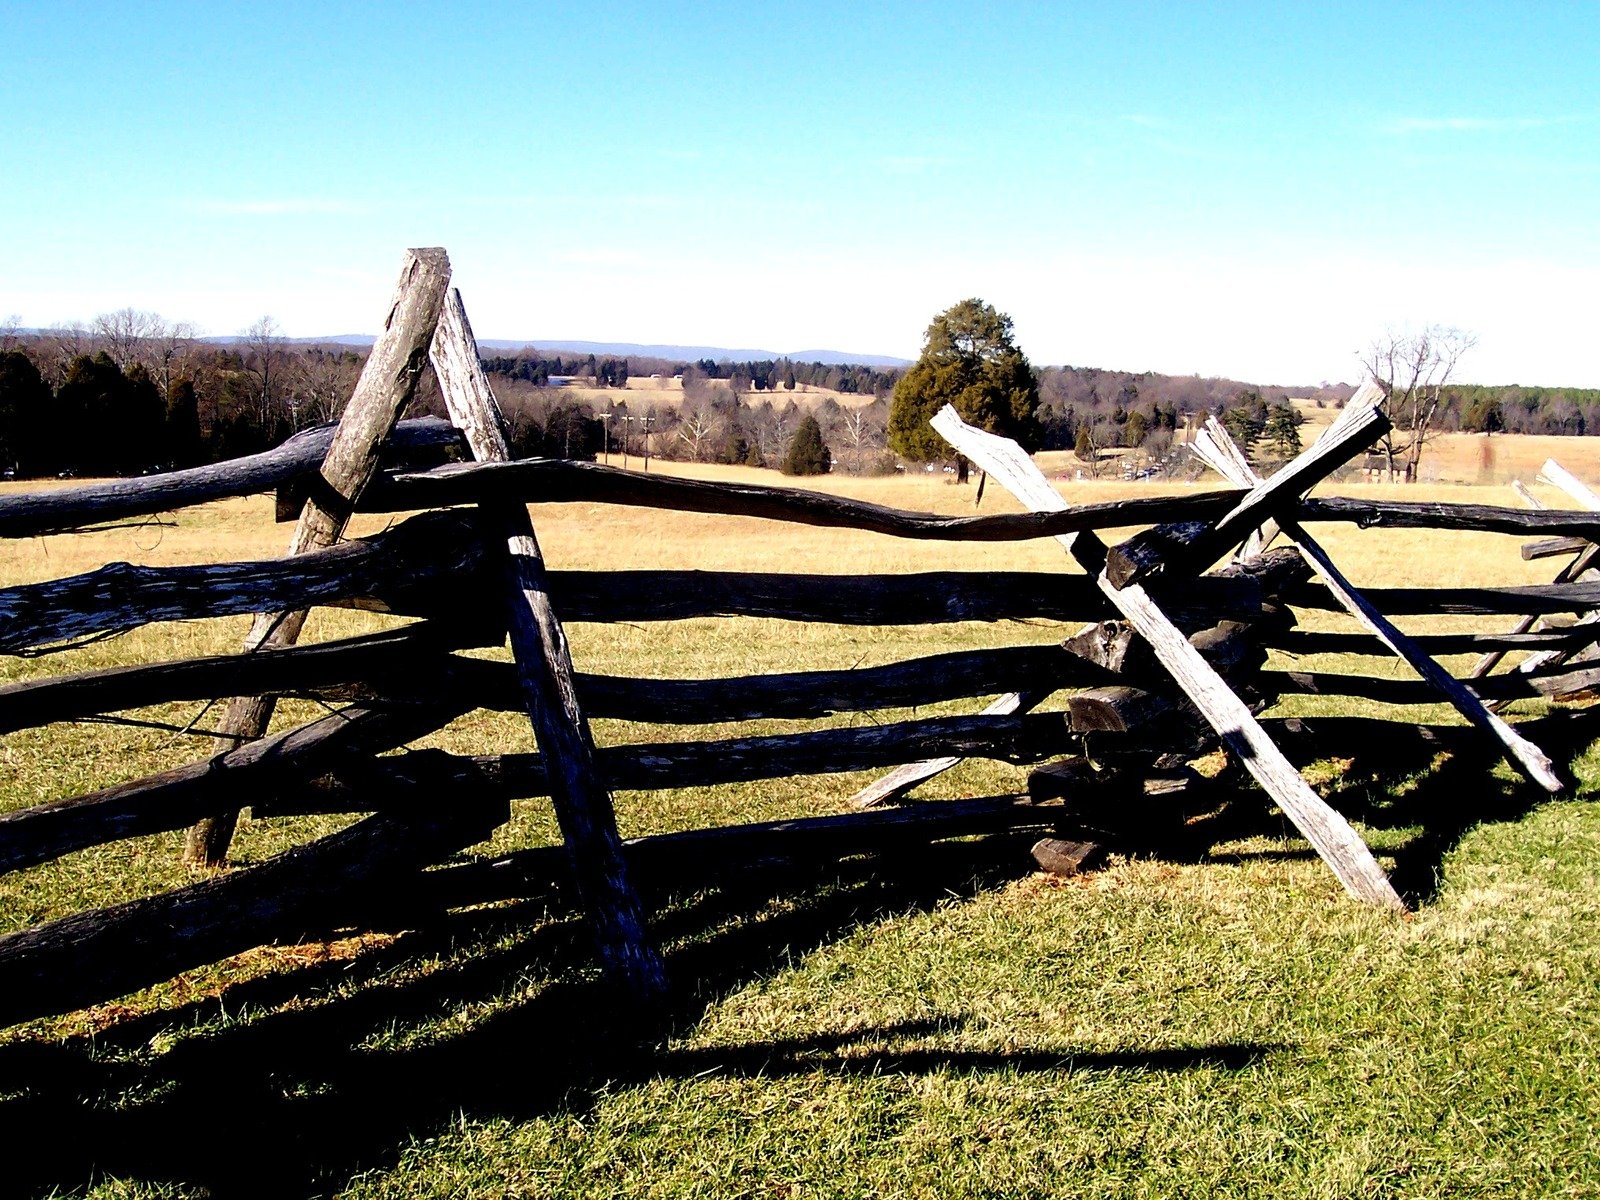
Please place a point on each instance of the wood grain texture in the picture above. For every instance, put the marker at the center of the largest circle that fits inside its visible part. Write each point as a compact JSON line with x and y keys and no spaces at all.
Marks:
{"x":69,"y":509}
{"x":387,"y":382}
{"x":1523,"y":754}
{"x":559,"y":481}
{"x":1017,"y":739}
{"x":1328,"y":832}
{"x":258,"y":771}
{"x":543,"y":661}
{"x":412,"y":665}
{"x":436,"y":565}
{"x":438,"y":553}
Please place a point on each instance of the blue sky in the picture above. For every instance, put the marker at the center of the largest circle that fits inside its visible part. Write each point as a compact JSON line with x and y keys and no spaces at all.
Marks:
{"x":1246,"y":190}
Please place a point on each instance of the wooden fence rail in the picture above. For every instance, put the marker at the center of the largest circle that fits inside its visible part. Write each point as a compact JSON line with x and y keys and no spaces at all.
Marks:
{"x":1224,"y":647}
{"x":85,"y":506}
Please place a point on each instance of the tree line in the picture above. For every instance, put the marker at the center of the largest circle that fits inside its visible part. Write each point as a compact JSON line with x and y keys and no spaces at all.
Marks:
{"x":711,"y":423}
{"x":131,"y":392}
{"x":770,"y":375}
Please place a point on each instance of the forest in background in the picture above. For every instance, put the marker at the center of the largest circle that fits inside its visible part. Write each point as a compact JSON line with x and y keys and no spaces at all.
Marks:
{"x":132,"y":393}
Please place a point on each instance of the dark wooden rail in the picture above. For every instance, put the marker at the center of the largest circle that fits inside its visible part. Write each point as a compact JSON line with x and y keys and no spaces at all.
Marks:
{"x":436,"y":565}
{"x":274,"y":772}
{"x":69,"y":509}
{"x":409,"y":665}
{"x":557,"y":481}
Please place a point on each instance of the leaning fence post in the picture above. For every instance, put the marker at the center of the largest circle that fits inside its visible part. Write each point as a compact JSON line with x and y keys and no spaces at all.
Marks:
{"x":387,"y":383}
{"x":1329,"y":833}
{"x":1219,"y":453}
{"x":544,"y":670}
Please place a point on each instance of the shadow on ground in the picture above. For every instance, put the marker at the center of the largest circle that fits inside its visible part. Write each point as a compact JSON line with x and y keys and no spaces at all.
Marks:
{"x":314,"y":1085}
{"x":310,"y":1088}
{"x":1431,"y":789}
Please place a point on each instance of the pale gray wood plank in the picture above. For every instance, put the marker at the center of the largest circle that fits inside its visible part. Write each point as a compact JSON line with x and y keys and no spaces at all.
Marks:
{"x":1330,"y":834}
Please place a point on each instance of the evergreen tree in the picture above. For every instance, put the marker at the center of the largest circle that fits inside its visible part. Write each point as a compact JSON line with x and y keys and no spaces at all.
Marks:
{"x":24,"y":414}
{"x":1083,"y":447}
{"x":1246,"y":420}
{"x":1133,"y":433}
{"x":1283,"y":430}
{"x":808,"y":453}
{"x":1484,"y":415}
{"x":141,"y":422}
{"x":92,"y":403}
{"x":183,"y":446}
{"x":971,"y":361}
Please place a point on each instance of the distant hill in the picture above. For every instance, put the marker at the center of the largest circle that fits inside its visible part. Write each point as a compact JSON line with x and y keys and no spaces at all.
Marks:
{"x":829,"y":358}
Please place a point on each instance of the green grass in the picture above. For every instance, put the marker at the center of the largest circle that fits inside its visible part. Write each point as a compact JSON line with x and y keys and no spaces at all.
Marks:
{"x":1209,"y":1017}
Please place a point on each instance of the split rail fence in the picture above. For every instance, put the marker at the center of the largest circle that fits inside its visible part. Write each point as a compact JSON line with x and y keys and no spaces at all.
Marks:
{"x":1170,"y":663}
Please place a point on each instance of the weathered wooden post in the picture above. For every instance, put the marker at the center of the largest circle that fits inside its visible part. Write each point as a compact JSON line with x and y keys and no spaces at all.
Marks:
{"x":387,"y":384}
{"x":1329,"y":833}
{"x":1034,"y":490}
{"x":544,"y":670}
{"x":1218,"y":451}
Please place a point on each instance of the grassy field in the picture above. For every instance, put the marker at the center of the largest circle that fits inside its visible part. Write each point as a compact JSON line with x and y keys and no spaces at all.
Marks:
{"x":641,"y":392}
{"x":1212,"y":1019}
{"x":1477,"y":459}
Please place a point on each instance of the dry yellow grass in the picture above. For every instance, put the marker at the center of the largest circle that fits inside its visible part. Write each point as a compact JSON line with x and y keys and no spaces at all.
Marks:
{"x":667,"y":392}
{"x":1480,"y":459}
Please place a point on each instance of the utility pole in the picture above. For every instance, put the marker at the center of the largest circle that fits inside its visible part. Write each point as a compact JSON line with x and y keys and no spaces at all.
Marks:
{"x":627,"y":420}
{"x":649,"y":419}
{"x":605,"y":439}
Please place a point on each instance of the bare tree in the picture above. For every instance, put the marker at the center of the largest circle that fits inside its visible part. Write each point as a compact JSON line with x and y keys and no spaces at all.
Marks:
{"x":695,"y":382}
{"x":1157,"y":447}
{"x":10,"y":331}
{"x":770,"y":427}
{"x":860,"y":433}
{"x":131,"y":336}
{"x":698,"y":422}
{"x":264,"y":340}
{"x":63,"y":344}
{"x":1412,"y":369}
{"x":123,"y":334}
{"x":323,"y":380}
{"x":166,"y":351}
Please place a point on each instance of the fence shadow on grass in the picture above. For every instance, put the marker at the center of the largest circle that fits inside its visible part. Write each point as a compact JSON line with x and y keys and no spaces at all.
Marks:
{"x":314,"y":1078}
{"x":291,"y":1083}
{"x":1409,"y":785}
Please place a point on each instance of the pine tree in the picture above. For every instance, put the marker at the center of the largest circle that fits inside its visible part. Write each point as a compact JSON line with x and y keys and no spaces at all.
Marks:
{"x":1133,"y":433}
{"x":24,"y":414}
{"x":808,"y":453}
{"x":1283,"y":430}
{"x":183,"y":446}
{"x":971,"y":361}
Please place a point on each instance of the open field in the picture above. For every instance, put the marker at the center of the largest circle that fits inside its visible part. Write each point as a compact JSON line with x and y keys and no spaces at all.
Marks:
{"x":1480,"y":459}
{"x":1214,"y":1019}
{"x":667,"y":392}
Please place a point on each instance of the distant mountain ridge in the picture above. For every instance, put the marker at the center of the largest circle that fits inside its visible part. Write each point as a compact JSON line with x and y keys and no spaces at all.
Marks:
{"x":829,"y":358}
